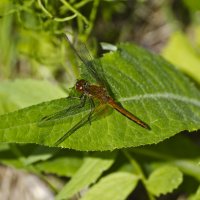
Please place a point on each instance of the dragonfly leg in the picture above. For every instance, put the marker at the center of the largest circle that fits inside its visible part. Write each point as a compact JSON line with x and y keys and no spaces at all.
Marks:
{"x":83,"y":99}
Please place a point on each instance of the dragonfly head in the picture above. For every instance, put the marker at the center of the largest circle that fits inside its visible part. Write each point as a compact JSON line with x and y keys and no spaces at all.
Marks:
{"x":81,"y":85}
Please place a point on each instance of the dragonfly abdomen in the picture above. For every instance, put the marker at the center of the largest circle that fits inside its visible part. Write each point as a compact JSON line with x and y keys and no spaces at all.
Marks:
{"x":126,"y":113}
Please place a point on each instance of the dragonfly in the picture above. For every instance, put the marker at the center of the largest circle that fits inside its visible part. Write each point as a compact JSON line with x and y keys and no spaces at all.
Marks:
{"x":89,"y":92}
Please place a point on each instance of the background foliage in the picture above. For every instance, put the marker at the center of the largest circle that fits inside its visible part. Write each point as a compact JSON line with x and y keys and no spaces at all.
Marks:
{"x":37,"y":66}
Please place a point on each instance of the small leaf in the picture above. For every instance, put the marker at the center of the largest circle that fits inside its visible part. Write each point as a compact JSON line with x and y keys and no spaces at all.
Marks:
{"x":22,"y":93}
{"x":164,"y":180}
{"x":145,"y":84}
{"x":89,"y":172}
{"x":186,"y":58}
{"x":114,"y":186}
{"x":62,"y":165}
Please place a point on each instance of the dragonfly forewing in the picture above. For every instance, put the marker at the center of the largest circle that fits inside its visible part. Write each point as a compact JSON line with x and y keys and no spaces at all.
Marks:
{"x":71,"y":110}
{"x":92,"y":66}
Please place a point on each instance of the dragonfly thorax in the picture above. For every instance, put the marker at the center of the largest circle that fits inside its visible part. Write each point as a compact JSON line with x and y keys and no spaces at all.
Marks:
{"x":81,"y":85}
{"x":95,"y":91}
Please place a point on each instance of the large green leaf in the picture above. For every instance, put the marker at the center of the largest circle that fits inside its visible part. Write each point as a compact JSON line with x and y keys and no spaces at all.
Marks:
{"x":143,"y":83}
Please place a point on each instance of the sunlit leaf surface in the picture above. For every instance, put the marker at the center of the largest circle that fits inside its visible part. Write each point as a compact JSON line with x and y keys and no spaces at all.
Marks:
{"x":145,"y":84}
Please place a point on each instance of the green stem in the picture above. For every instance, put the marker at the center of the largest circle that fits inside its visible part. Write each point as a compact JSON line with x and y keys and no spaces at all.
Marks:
{"x":75,"y":11}
{"x":44,"y":9}
{"x":134,"y":164}
{"x":65,"y":18}
{"x":92,"y":17}
{"x":81,"y":3}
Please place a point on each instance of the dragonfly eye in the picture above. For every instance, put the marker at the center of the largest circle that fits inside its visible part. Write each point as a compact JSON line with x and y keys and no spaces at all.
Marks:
{"x":81,"y":85}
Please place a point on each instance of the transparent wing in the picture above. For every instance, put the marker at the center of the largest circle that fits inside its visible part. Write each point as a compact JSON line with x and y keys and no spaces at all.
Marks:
{"x":93,"y":66}
{"x":86,"y":119}
{"x":72,"y":110}
{"x":59,"y":115}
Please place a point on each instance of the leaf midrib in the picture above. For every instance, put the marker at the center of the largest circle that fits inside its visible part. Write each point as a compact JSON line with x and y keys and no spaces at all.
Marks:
{"x":165,"y":95}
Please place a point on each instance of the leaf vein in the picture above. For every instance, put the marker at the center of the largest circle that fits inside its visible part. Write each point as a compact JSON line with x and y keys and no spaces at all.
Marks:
{"x":165,"y":95}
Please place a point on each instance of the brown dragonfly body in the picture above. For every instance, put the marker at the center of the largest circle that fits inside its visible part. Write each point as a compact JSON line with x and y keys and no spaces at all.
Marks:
{"x":100,"y":93}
